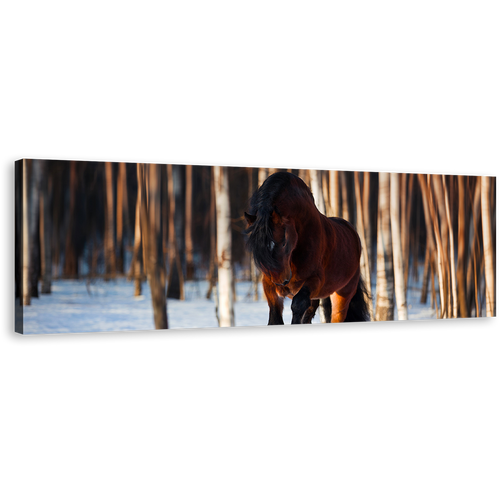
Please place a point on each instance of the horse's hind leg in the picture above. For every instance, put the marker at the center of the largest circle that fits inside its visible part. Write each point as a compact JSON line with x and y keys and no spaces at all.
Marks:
{"x":325,"y":310}
{"x":341,"y":300}
{"x":310,"y":311}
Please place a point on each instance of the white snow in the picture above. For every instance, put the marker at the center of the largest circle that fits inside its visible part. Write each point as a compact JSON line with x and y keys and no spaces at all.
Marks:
{"x":79,"y":306}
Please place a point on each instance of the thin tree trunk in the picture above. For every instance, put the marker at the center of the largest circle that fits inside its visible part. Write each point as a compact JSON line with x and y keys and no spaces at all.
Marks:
{"x":212,"y":272}
{"x":254,"y":272}
{"x":70,"y":257}
{"x":46,"y":230}
{"x":385,"y":277}
{"x":317,"y":189}
{"x":461,"y":258}
{"x":263,"y":175}
{"x":120,"y":196}
{"x":440,"y":250}
{"x":175,"y":289}
{"x":365,"y":261}
{"x":109,"y":238}
{"x":475,"y":222}
{"x":26,"y":297}
{"x":34,"y":208}
{"x":189,"y":223}
{"x":226,"y":311}
{"x":151,"y":226}
{"x":489,"y":271}
{"x":452,"y":251}
{"x":334,"y":194}
{"x":366,"y":216}
{"x":397,"y":248}
{"x":135,"y":267}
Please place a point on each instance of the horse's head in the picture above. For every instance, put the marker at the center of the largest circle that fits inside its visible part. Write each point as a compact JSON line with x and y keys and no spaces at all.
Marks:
{"x":272,"y":245}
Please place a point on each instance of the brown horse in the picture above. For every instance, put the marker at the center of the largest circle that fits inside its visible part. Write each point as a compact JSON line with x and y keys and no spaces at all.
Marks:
{"x":303,"y":254}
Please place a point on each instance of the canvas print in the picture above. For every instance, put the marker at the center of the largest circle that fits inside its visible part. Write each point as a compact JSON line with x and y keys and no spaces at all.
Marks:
{"x":113,"y":246}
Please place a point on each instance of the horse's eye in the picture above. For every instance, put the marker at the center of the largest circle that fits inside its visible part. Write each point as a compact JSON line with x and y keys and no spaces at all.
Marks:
{"x":284,"y":244}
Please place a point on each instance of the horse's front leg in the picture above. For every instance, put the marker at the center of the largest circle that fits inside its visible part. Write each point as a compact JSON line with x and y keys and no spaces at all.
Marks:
{"x":274,"y":301}
{"x":303,"y":308}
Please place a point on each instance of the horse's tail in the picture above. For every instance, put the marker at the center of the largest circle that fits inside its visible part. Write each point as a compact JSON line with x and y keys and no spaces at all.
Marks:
{"x":358,"y":307}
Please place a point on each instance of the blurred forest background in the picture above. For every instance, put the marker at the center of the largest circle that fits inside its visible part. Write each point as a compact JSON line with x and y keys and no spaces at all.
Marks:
{"x":171,"y":224}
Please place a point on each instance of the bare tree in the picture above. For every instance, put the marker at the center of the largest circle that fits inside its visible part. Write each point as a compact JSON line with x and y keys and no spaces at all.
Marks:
{"x":452,"y":251}
{"x":385,"y":278}
{"x":121,"y":215}
{"x":135,"y":266}
{"x":26,"y":297}
{"x":365,"y":261}
{"x":175,"y":289}
{"x":334,"y":194}
{"x":226,"y":310}
{"x":399,"y":280}
{"x":46,"y":229}
{"x":189,"y":223}
{"x":109,"y":238}
{"x":462,"y":248}
{"x":316,"y":178}
{"x":488,"y":246}
{"x":150,"y":175}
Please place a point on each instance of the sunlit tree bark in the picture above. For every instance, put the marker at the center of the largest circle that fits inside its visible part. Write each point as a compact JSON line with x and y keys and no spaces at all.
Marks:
{"x":365,"y":261}
{"x":226,"y":311}
{"x":317,"y":189}
{"x":109,"y":238}
{"x":385,"y":278}
{"x":334,"y":194}
{"x":488,"y":246}
{"x":397,"y":250}
{"x":135,"y":267}
{"x":461,"y":257}
{"x":452,"y":251}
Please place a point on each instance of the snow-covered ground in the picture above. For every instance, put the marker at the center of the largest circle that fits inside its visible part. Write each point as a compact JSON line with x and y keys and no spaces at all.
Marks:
{"x":77,"y":306}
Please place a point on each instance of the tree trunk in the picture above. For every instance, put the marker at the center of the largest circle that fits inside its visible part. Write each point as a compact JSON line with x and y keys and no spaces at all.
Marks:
{"x":189,"y":223}
{"x":399,"y":279}
{"x":365,"y":261}
{"x":489,"y":271}
{"x":26,"y":297}
{"x":385,"y":276}
{"x":463,"y":309}
{"x":135,"y":267}
{"x":121,"y":187}
{"x":452,"y":251}
{"x":366,"y":217}
{"x":175,"y":289}
{"x":34,"y":210}
{"x":151,"y":226}
{"x":317,"y":189}
{"x":212,"y":272}
{"x":226,"y":311}
{"x":109,"y":238}
{"x":46,"y":229}
{"x":441,"y":265}
{"x":70,"y":257}
{"x":334,"y":194}
{"x":472,"y":268}
{"x":254,"y":272}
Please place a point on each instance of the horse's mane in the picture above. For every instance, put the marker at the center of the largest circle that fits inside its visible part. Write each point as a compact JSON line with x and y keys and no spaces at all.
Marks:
{"x":262,"y":204}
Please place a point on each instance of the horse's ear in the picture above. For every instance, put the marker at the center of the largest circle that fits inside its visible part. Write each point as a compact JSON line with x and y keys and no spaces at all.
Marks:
{"x":250,"y":218}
